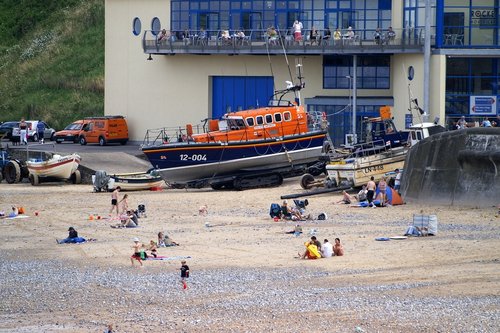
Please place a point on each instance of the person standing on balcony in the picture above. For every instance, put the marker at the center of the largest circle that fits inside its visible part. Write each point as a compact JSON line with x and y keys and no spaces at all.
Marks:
{"x":313,"y":36}
{"x":297,"y":31}
{"x":391,"y":35}
{"x":377,"y":36}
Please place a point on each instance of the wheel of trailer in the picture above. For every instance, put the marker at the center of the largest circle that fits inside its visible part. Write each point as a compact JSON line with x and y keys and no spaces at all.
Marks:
{"x":34,"y":179}
{"x":12,"y":172}
{"x":306,"y":181}
{"x":330,"y":183}
{"x":76,"y":177}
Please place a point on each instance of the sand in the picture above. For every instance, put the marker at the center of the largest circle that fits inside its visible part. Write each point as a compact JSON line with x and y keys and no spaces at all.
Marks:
{"x":244,"y":274}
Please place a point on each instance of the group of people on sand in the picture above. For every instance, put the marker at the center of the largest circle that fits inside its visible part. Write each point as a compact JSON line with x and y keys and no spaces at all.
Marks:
{"x":143,"y":251}
{"x":127,"y":216}
{"x":316,"y":250}
{"x":374,"y":195}
{"x":296,"y":212}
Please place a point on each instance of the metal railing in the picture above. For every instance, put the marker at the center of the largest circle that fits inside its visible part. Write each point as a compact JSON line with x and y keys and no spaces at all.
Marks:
{"x":259,"y":41}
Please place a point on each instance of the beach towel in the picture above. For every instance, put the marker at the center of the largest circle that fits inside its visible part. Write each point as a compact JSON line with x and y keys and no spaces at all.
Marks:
{"x":168,"y":258}
{"x":17,"y":217}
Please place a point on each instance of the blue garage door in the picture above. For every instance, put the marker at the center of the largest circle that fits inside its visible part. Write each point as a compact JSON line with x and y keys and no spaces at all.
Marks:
{"x":233,"y":93}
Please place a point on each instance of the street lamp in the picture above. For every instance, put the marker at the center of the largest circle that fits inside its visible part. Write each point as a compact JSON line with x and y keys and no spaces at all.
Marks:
{"x":351,"y":109}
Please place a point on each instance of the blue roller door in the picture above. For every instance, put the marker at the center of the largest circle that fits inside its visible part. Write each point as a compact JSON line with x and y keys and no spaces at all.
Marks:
{"x":233,"y":93}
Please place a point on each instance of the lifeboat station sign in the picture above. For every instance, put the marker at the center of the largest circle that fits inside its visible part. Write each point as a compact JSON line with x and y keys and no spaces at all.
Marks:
{"x":483,"y":105}
{"x":484,"y":17}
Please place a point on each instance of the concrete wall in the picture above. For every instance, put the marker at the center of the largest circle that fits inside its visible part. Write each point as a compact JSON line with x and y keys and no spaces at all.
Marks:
{"x":457,"y":168}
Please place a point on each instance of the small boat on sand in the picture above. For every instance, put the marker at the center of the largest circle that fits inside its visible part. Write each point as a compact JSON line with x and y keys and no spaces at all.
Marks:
{"x":134,"y":181}
{"x":55,"y":168}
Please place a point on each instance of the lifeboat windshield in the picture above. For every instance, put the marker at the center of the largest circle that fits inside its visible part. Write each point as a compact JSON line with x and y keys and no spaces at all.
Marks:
{"x":232,"y":123}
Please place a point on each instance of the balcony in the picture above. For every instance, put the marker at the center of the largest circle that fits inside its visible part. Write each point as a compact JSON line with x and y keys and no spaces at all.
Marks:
{"x":262,"y":42}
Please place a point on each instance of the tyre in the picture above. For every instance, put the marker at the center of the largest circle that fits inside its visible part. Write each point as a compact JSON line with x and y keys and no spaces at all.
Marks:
{"x":12,"y":172}
{"x":76,"y":177}
{"x":102,"y":141}
{"x":306,"y":181}
{"x":35,"y":137}
{"x":82,"y":141}
{"x":1,"y":176}
{"x":123,"y":142}
{"x":52,"y":137}
{"x":34,"y":179}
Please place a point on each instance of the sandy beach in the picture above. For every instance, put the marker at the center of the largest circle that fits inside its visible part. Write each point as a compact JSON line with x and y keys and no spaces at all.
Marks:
{"x":244,"y":274}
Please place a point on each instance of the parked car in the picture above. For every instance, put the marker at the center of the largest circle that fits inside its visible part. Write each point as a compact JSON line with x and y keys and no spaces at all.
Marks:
{"x":104,"y":130}
{"x":6,"y":129}
{"x":48,"y":133}
{"x":70,"y":133}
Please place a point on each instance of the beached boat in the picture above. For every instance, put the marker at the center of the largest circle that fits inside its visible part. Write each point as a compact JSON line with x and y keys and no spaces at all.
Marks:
{"x":383,"y":150}
{"x":135,"y":181}
{"x":57,"y":167}
{"x":243,"y":149}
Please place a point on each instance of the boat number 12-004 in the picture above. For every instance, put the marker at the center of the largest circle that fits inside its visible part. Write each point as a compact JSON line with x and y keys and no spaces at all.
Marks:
{"x":195,"y":157}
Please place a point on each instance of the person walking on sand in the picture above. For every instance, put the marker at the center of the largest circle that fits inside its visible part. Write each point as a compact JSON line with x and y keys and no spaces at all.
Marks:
{"x":184,"y":273}
{"x":124,"y":204}
{"x":114,"y":201}
{"x":370,"y":188}
{"x":137,"y":251}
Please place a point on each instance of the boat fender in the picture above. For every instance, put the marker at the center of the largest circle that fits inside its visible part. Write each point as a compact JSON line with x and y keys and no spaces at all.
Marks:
{"x":189,"y":129}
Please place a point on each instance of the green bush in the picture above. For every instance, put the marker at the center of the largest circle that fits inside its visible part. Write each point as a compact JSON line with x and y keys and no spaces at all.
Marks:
{"x":51,"y":68}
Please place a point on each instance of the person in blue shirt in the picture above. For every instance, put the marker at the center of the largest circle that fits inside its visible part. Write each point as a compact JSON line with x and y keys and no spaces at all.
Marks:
{"x":40,"y":129}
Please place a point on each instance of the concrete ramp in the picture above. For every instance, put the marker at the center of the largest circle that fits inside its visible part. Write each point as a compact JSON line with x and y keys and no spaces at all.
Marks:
{"x":457,"y":168}
{"x":114,"y":162}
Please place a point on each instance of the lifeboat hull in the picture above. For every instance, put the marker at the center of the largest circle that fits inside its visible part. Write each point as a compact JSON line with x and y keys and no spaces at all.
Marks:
{"x":192,"y":161}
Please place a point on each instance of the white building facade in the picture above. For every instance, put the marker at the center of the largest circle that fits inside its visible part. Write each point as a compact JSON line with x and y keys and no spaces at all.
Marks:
{"x":193,"y":73}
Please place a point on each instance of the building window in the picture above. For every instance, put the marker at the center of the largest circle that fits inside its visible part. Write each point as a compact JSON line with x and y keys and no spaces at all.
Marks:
{"x":467,"y":77}
{"x":213,"y":15}
{"x":467,"y":24}
{"x":155,"y":26}
{"x":136,"y":26}
{"x":373,"y":72}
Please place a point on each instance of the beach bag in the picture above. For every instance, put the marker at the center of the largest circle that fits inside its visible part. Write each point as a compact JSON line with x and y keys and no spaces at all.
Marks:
{"x":322,"y":216}
{"x":20,"y":210}
{"x":275,"y":210}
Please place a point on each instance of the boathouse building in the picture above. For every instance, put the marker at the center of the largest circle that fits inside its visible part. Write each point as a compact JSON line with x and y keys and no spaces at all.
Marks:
{"x":449,"y":64}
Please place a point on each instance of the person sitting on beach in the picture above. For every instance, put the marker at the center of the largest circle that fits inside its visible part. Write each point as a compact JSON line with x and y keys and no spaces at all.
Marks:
{"x":361,"y":196}
{"x":326,"y":249}
{"x":137,"y":251}
{"x":297,"y":230}
{"x":312,"y":249}
{"x":286,"y":212}
{"x":164,"y":240}
{"x":14,"y":212}
{"x":72,"y":237}
{"x":152,"y":248}
{"x":338,"y":249}
{"x":127,"y":220}
{"x":346,"y":198}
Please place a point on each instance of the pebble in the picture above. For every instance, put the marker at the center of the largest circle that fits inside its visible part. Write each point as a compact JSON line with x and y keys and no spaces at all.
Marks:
{"x":227,"y":300}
